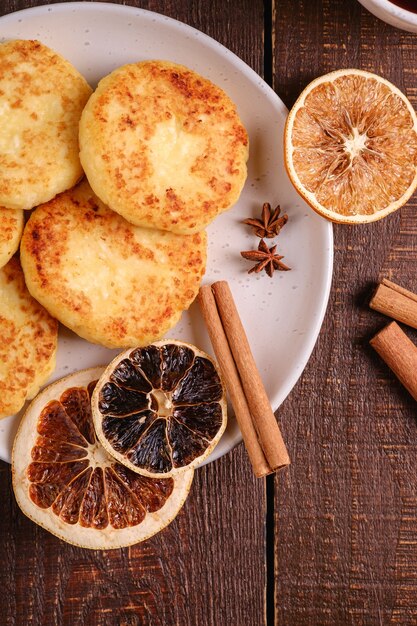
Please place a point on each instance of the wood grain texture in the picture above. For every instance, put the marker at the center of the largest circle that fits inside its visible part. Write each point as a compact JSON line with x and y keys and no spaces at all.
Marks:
{"x":207,"y":567}
{"x":185,"y":575}
{"x":346,"y":511}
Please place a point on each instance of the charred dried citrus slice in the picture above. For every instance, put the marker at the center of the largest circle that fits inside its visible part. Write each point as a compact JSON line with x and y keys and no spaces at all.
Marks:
{"x":66,"y":482}
{"x":351,"y":146}
{"x":161,"y":408}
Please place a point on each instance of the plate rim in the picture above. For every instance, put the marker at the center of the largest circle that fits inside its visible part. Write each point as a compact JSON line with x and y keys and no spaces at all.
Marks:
{"x":268,"y":91}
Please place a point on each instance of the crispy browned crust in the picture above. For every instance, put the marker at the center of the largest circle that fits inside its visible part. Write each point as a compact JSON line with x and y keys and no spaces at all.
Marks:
{"x":11,"y":228}
{"x":42,"y":98}
{"x":109,"y":281}
{"x":163,"y":146}
{"x":28,"y":341}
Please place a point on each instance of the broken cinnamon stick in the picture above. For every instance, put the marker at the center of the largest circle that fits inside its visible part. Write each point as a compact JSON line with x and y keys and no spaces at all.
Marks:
{"x":263,"y":417}
{"x":395,"y":301}
{"x":234,"y":386}
{"x":399,"y":353}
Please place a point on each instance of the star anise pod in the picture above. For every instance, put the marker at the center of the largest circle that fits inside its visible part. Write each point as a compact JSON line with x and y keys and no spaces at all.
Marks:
{"x":270,"y":223}
{"x":265,"y":258}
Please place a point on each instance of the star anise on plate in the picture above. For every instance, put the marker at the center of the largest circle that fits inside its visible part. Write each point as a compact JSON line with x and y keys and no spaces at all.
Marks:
{"x":265,"y":258}
{"x":270,"y":223}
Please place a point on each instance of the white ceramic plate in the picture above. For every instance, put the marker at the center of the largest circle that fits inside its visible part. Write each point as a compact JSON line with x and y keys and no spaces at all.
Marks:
{"x":282,"y":315}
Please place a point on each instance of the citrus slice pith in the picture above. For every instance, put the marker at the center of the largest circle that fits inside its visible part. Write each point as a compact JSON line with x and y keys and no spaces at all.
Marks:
{"x":350,"y":146}
{"x":161,"y":408}
{"x":66,"y":482}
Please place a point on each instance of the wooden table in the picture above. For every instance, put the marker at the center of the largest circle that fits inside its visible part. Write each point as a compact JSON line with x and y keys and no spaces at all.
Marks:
{"x":333,"y":540}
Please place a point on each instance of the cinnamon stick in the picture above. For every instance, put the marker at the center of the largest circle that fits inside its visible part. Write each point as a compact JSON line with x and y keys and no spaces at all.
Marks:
{"x":399,"y":353}
{"x":395,"y":301}
{"x":230,"y":374}
{"x":262,"y":415}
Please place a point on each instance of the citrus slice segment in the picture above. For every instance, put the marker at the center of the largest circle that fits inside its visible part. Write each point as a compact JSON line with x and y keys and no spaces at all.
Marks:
{"x":160,"y":409}
{"x":65,"y":481}
{"x":351,"y":146}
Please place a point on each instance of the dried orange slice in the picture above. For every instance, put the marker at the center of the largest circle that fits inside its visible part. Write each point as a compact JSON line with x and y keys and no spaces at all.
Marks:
{"x":66,"y":482}
{"x":351,"y":146}
{"x":160,"y":409}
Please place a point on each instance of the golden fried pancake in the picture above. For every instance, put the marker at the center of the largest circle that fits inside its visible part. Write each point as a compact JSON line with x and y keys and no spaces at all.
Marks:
{"x":28,"y":341}
{"x":41,"y":99}
{"x":163,"y":146}
{"x":11,"y":228}
{"x":111,"y":282}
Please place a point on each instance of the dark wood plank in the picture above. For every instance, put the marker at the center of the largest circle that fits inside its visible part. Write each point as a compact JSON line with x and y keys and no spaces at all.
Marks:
{"x":346,"y":511}
{"x":207,"y":567}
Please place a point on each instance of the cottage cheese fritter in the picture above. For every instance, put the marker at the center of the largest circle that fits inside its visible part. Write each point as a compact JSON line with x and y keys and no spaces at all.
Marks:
{"x":163,"y":146}
{"x":41,"y":99}
{"x":112,"y":283}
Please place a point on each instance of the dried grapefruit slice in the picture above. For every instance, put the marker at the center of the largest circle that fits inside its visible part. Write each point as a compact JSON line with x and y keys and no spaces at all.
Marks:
{"x":66,"y":482}
{"x":161,"y":408}
{"x":351,"y":146}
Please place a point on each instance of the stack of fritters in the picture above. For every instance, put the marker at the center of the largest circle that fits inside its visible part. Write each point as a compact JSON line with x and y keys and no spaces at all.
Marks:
{"x":41,"y":100}
{"x":164,"y":152}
